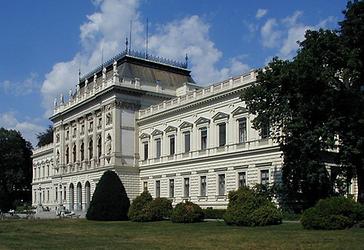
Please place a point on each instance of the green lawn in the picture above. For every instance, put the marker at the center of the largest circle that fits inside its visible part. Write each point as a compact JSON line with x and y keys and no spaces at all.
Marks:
{"x":71,"y":234}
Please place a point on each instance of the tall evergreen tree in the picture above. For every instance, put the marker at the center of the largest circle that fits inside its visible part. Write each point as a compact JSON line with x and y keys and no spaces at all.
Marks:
{"x":109,"y":201}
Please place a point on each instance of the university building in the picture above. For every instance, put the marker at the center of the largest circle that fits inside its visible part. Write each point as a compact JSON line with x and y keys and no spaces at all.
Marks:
{"x":147,"y":120}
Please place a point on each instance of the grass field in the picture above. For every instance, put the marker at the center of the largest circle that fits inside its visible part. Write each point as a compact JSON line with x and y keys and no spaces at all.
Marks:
{"x":83,"y":234}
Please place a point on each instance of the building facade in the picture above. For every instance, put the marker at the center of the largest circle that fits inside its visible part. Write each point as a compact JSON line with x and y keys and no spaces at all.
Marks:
{"x":147,"y":120}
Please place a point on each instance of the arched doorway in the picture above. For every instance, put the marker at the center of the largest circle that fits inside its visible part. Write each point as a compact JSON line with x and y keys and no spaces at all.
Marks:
{"x":79,"y":196}
{"x":72,"y":197}
{"x":88,"y":194}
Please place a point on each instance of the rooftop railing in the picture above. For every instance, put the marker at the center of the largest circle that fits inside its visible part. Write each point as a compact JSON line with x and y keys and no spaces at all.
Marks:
{"x":199,"y":94}
{"x":136,"y":54}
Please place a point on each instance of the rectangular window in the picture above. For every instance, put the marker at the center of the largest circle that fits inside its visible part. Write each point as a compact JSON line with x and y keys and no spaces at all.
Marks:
{"x":145,"y":145}
{"x":222,"y":134}
{"x":171,"y":188}
{"x":221,"y":184}
{"x":64,"y":194}
{"x":265,"y":131}
{"x":242,"y":130}
{"x":203,"y":185}
{"x":264,"y":176}
{"x":242,"y":179}
{"x":187,"y":136}
{"x":158,"y":146}
{"x":47,"y":195}
{"x":172,"y":145}
{"x":186,"y":187}
{"x":56,"y":193}
{"x":203,"y":138}
{"x":157,"y":189}
{"x":145,"y":186}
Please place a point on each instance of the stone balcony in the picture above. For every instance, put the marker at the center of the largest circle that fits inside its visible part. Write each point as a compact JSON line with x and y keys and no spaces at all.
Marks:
{"x":214,"y":151}
{"x":200,"y":94}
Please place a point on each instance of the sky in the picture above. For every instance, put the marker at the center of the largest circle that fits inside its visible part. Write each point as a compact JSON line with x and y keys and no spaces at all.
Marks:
{"x":44,"y":43}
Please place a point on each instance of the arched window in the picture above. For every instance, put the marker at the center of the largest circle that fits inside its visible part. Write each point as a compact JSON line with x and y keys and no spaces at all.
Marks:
{"x":82,"y":151}
{"x":90,"y":149}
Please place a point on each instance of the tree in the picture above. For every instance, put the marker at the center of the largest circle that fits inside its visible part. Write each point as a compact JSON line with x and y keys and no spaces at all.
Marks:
{"x":315,"y":103}
{"x":15,"y":169}
{"x":45,"y":137}
{"x":109,"y":201}
{"x":350,"y":99}
{"x":295,"y":98}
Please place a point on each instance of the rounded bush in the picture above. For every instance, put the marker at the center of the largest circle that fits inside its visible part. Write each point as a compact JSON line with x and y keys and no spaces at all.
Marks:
{"x":251,"y":207}
{"x":159,"y":209}
{"x":187,"y":212}
{"x":333,"y":213}
{"x":139,"y":206}
{"x":266,"y":215}
{"x":109,"y":201}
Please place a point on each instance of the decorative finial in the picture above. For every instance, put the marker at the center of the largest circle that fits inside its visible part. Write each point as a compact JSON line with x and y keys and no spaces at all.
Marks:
{"x":186,"y":58}
{"x":55,"y":102}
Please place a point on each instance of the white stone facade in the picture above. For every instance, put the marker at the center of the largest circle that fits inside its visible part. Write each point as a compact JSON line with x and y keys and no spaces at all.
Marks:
{"x":159,"y":131}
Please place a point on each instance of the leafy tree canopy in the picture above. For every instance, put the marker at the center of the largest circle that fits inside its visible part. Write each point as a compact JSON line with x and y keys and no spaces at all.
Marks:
{"x":45,"y":137}
{"x":313,"y":102}
{"x":15,"y":169}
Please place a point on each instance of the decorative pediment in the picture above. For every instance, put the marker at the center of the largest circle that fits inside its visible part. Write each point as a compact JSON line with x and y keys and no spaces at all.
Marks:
{"x":185,"y":125}
{"x":239,"y":110}
{"x":157,"y":132}
{"x":202,"y":120}
{"x":144,"y":136}
{"x":220,"y":115}
{"x":170,"y":129}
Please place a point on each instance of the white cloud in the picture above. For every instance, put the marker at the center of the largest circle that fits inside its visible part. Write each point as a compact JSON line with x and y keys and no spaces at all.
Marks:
{"x":25,"y":87}
{"x":261,"y":13}
{"x":191,"y":35}
{"x":270,"y":33}
{"x":283,"y":34}
{"x":27,"y":128}
{"x":106,"y":29}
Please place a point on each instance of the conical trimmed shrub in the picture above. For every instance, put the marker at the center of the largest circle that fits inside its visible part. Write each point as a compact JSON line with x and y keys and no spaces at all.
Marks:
{"x":109,"y":201}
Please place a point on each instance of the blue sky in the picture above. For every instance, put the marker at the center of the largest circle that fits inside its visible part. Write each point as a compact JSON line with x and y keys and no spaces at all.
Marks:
{"x":43,"y":43}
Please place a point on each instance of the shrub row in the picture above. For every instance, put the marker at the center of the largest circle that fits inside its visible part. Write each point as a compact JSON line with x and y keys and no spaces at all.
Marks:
{"x":333,"y":213}
{"x":144,"y":208}
{"x":211,"y":213}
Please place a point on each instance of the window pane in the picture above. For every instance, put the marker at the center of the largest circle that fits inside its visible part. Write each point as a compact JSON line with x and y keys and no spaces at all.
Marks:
{"x":222,"y":134}
{"x":264,"y":177}
{"x":158,"y":189}
{"x":203,"y":138}
{"x":221,"y":184}
{"x":172,"y":145}
{"x":158,"y":148}
{"x":242,"y":179}
{"x":171,"y":188}
{"x":203,"y":186}
{"x":242,"y":130}
{"x":145,"y":186}
{"x":145,"y":151}
{"x":187,"y":142}
{"x":187,"y":187}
